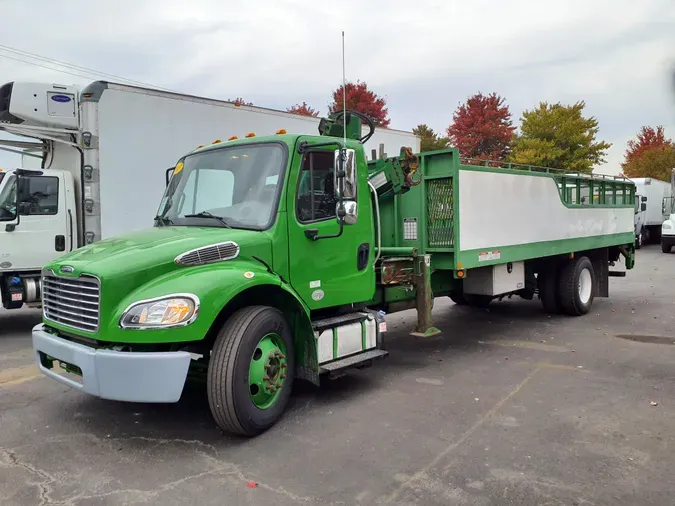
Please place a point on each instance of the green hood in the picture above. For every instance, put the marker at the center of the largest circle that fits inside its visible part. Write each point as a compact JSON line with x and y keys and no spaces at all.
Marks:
{"x":146,"y":254}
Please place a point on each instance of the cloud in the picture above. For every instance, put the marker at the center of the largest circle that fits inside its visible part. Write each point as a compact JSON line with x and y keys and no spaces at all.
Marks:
{"x":424,"y":58}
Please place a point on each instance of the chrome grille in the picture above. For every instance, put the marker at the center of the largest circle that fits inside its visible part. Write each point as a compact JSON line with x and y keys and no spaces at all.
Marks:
{"x":209,"y":254}
{"x":74,"y":302}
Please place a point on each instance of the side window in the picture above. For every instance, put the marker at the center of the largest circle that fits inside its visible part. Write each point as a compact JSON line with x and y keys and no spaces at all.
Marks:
{"x":316,"y":194}
{"x":209,"y":189}
{"x":38,"y":195}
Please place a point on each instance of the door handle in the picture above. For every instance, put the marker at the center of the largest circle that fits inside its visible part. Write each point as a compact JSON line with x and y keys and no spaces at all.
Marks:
{"x":362,"y":256}
{"x":60,"y":243}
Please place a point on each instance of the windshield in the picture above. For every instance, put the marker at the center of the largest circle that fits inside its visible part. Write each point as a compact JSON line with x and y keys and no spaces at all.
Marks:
{"x":237,"y":186}
{"x":8,"y":198}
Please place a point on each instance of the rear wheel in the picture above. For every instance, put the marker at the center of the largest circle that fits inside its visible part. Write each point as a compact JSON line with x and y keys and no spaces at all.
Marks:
{"x":576,"y":286}
{"x":547,"y":283}
{"x":251,"y":371}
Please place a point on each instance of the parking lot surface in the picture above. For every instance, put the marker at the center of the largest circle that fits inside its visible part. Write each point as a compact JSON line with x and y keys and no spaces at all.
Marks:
{"x":507,"y":406}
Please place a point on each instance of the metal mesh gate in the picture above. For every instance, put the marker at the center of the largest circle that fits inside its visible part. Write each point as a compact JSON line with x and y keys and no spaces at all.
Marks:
{"x":440,"y":212}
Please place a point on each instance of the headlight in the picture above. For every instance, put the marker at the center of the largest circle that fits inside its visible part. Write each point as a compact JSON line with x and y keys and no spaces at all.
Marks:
{"x":170,"y":311}
{"x":666,"y":226}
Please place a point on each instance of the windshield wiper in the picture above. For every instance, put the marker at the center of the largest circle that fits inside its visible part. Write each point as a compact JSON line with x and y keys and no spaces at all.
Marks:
{"x":206,"y":214}
{"x":163,"y":220}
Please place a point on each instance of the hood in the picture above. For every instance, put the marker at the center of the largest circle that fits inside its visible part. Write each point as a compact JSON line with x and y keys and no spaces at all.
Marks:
{"x":149,"y":253}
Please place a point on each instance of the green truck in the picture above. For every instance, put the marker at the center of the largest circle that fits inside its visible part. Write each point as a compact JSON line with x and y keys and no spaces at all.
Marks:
{"x":275,"y":258}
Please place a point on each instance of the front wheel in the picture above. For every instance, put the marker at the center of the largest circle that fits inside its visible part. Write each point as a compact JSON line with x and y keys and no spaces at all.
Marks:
{"x":638,"y":240}
{"x":666,"y":248}
{"x":251,"y":371}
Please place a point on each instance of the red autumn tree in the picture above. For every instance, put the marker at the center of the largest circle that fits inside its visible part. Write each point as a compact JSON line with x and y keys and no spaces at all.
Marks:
{"x":363,"y":100}
{"x":239,"y":101}
{"x":648,"y":138}
{"x":303,"y":109}
{"x":482,"y":127}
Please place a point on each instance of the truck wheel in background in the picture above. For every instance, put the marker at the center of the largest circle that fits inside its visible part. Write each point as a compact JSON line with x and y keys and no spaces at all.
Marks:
{"x":458,"y":298}
{"x":481,"y":301}
{"x":638,"y":240}
{"x":666,"y":248}
{"x":576,"y":287}
{"x":547,"y":284}
{"x":251,"y":371}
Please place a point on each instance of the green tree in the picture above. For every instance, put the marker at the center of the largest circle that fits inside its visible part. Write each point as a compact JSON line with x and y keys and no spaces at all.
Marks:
{"x":429,"y":140}
{"x":559,"y":136}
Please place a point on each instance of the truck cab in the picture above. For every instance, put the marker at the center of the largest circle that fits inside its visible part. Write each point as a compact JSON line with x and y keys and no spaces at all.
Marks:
{"x":640,"y":214}
{"x":668,"y":226}
{"x":36,"y":226}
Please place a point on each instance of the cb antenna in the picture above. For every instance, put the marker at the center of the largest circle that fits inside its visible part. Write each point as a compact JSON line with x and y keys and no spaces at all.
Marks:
{"x":344,"y":93}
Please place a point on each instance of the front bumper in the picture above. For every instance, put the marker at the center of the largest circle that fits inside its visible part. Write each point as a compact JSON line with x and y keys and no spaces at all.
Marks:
{"x":115,"y":375}
{"x":668,"y":240}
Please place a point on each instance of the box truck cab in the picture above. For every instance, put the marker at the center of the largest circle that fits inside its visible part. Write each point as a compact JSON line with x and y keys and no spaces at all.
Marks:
{"x":37,"y":211}
{"x":640,"y":217}
{"x":668,"y":226}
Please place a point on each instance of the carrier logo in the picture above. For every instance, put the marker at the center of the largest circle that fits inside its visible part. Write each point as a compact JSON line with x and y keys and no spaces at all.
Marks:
{"x":61,"y":98}
{"x":67,"y":269}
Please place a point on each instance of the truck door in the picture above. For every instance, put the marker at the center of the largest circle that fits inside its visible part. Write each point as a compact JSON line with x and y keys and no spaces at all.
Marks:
{"x":34,"y":224}
{"x":328,"y":271}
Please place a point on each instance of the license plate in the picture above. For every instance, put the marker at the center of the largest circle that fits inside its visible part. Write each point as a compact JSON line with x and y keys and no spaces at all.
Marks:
{"x":17,"y":297}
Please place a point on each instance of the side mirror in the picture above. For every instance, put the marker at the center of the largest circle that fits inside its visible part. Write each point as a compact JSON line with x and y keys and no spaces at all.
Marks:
{"x":169,"y":173}
{"x":348,"y":190}
{"x":351,"y":212}
{"x":643,"y":207}
{"x":644,"y":199}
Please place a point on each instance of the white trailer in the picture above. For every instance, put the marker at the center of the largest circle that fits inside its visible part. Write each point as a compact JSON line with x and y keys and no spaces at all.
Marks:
{"x":653,"y":193}
{"x":103,"y":157}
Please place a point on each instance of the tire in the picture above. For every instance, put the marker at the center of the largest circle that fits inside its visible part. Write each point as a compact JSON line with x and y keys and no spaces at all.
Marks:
{"x":230,"y":384}
{"x":547,"y":283}
{"x":666,"y":248}
{"x":638,"y":241}
{"x":481,"y":301}
{"x":458,"y":298}
{"x":576,"y":287}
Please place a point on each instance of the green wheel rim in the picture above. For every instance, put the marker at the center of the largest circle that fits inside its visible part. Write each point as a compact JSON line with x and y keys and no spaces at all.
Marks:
{"x":267,"y":370}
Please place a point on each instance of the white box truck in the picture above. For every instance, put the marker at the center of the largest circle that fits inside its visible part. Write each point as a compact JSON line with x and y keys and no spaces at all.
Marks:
{"x":668,"y":225}
{"x":653,"y":192}
{"x":104,"y":154}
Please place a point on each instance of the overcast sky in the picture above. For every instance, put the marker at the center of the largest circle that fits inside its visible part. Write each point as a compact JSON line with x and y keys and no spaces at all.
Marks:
{"x":424,"y":57}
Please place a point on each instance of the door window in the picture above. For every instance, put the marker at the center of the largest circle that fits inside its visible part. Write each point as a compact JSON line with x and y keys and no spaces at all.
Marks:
{"x":38,"y":195}
{"x":316,"y":199}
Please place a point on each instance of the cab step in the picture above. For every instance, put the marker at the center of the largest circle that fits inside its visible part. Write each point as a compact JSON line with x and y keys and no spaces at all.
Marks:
{"x":360,"y":361}
{"x":337,"y":321}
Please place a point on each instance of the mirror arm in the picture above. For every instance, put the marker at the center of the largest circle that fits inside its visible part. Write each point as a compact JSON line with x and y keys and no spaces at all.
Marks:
{"x":313,"y":233}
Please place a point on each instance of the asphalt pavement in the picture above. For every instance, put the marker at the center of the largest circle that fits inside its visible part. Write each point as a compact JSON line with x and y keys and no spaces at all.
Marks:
{"x":507,"y":407}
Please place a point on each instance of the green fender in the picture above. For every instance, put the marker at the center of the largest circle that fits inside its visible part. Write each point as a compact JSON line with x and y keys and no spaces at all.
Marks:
{"x":221,"y":288}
